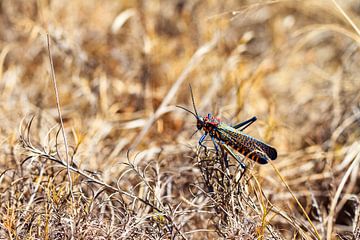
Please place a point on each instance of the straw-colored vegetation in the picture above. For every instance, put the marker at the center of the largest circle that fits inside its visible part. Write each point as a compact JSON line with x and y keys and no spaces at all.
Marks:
{"x":120,"y":161}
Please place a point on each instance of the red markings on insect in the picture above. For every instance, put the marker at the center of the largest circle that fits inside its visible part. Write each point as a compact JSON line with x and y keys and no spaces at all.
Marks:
{"x":211,"y":120}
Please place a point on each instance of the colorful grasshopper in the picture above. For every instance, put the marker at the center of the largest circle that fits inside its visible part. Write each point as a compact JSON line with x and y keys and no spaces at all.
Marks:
{"x":232,"y":136}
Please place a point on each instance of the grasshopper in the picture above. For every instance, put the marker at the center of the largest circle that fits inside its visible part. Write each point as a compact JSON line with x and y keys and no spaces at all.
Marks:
{"x":232,"y":137}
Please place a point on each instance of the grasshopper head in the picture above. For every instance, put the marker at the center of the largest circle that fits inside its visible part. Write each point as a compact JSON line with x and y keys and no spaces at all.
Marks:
{"x":206,"y":123}
{"x":200,"y":122}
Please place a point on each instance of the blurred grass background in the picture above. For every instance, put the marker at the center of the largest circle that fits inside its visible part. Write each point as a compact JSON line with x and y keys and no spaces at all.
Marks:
{"x":293,"y":64}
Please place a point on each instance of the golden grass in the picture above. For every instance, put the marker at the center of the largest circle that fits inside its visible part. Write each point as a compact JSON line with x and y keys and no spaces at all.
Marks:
{"x":93,"y":147}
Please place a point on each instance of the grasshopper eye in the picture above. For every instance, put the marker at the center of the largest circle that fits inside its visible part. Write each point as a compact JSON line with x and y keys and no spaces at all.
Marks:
{"x":200,"y":123}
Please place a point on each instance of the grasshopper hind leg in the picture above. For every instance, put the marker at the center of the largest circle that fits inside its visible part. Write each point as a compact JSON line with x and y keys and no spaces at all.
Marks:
{"x":245,"y":124}
{"x":242,"y":165}
{"x":225,"y":159}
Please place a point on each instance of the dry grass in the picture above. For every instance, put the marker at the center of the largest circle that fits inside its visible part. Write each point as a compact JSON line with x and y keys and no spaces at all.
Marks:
{"x":126,"y":167}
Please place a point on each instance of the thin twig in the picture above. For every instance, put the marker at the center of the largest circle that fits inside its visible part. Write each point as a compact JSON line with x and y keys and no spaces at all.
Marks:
{"x":335,"y":200}
{"x":53,"y":77}
{"x":317,"y":235}
{"x":347,"y":17}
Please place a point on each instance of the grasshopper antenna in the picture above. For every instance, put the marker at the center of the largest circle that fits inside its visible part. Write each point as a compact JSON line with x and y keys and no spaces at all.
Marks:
{"x":193,"y":102}
{"x":187,"y":110}
{"x":194,"y":133}
{"x":196,"y":115}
